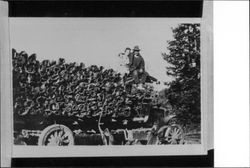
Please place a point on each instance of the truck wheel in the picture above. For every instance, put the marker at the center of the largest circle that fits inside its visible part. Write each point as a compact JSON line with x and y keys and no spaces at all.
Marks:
{"x":56,"y":135}
{"x":173,"y":135}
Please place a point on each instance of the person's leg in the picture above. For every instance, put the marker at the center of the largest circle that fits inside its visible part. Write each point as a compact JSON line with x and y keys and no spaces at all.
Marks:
{"x":135,"y":76}
{"x":143,"y":77}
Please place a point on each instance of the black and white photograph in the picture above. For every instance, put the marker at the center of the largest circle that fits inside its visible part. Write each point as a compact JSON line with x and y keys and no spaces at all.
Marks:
{"x":104,"y":81}
{"x":105,"y":84}
{"x":122,"y":83}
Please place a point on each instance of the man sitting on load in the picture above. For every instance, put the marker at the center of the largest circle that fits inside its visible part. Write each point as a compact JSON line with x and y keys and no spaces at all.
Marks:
{"x":137,"y":66}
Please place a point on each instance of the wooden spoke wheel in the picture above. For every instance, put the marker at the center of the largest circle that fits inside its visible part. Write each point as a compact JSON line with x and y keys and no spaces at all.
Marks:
{"x":172,"y":135}
{"x":56,"y":135}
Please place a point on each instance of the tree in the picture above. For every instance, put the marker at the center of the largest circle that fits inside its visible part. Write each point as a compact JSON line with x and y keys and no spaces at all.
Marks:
{"x":183,"y":58}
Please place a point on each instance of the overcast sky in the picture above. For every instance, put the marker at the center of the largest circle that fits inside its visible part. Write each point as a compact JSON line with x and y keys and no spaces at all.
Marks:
{"x":95,"y":40}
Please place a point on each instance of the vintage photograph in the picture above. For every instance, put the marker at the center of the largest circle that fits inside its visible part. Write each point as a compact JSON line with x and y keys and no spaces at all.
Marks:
{"x":106,"y":81}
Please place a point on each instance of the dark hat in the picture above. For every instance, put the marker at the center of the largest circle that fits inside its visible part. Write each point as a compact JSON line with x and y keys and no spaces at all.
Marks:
{"x":127,"y":49}
{"x":136,"y":48}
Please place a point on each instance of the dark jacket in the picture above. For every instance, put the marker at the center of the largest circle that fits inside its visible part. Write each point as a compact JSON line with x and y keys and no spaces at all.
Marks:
{"x":136,"y":63}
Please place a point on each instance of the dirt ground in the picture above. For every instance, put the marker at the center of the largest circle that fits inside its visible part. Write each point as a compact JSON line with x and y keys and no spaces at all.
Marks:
{"x":192,"y":134}
{"x":193,"y":138}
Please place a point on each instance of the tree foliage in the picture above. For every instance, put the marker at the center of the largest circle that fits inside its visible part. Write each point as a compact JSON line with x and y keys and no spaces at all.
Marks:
{"x":183,"y":93}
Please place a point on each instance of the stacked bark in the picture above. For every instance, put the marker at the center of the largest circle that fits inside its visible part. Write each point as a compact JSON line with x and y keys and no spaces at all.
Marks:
{"x":70,"y":89}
